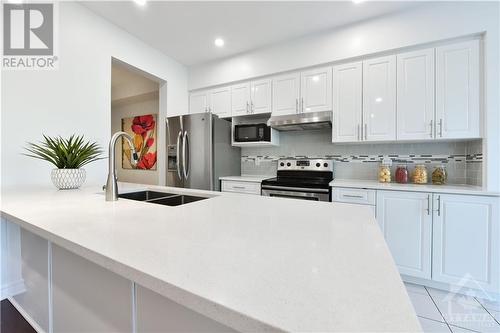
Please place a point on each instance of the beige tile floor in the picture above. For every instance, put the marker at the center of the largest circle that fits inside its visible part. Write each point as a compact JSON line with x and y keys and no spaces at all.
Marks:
{"x":440,"y":311}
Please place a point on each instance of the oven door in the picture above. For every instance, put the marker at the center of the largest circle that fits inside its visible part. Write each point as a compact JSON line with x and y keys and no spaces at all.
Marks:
{"x":296,"y":193}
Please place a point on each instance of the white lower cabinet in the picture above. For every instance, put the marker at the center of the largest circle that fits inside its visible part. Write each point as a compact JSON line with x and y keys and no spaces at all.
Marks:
{"x":466,"y":237}
{"x":406,"y":222}
{"x":452,"y":239}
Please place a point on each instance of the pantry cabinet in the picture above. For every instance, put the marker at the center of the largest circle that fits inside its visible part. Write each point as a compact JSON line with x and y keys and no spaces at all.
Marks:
{"x":466,"y":237}
{"x":457,"y":91}
{"x":286,"y":94}
{"x":415,"y":95}
{"x":347,"y":102}
{"x":405,"y":219}
{"x":316,"y":90}
{"x":198,"y":102}
{"x":220,"y":101}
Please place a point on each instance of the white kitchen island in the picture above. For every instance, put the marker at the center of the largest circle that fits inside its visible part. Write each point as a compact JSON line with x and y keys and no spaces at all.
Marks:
{"x":231,"y":262}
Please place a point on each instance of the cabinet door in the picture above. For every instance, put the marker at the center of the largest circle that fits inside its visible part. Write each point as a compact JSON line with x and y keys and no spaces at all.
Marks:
{"x":286,"y":94}
{"x":379,"y":99}
{"x":198,"y":102}
{"x":240,"y":99}
{"x":347,"y":102}
{"x":457,"y":90}
{"x":406,"y":222}
{"x":415,"y":95}
{"x":466,"y":240}
{"x":220,"y":102}
{"x":316,"y":90}
{"x":261,"y":96}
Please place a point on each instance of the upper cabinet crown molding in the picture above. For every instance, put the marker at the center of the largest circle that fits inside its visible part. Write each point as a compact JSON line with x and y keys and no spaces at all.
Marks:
{"x":457,"y":90}
{"x":415,"y":95}
{"x":379,"y":99}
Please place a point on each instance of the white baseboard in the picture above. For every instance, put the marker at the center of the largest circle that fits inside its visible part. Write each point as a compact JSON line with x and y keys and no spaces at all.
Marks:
{"x":26,"y":316}
{"x":11,"y":289}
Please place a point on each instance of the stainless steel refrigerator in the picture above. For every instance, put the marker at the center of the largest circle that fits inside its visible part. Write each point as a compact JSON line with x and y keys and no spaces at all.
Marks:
{"x":199,"y":151}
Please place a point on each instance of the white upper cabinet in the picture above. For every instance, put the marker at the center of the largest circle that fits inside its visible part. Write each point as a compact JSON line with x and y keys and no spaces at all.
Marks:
{"x":198,"y":102}
{"x":405,"y":219}
{"x":261,"y":96}
{"x":286,"y":94}
{"x":316,"y":90}
{"x":220,"y":101}
{"x":347,"y":102}
{"x":379,"y":99}
{"x":415,"y":95}
{"x":466,"y":233}
{"x":240,"y":99}
{"x":457,"y":91}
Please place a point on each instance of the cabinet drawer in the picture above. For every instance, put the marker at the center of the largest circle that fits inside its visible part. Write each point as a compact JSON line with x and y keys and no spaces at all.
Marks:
{"x":353,"y":195}
{"x":241,"y":187}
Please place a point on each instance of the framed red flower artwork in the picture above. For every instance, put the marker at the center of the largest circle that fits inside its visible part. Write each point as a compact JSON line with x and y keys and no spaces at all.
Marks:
{"x":143,"y":130}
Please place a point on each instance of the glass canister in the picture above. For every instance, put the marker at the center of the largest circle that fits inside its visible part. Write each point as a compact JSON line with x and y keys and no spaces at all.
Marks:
{"x":439,"y":175}
{"x":384,"y":173}
{"x":402,"y":174}
{"x":420,"y":174}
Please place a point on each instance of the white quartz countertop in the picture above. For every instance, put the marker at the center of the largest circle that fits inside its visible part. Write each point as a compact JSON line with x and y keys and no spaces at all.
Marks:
{"x":451,"y":189}
{"x":246,"y":178}
{"x":253,"y":263}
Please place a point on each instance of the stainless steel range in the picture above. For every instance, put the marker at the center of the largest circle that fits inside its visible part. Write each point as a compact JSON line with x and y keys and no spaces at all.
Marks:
{"x":306,"y":179}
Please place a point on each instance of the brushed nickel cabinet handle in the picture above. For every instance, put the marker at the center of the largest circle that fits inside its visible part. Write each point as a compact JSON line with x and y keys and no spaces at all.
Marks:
{"x":366,"y":131}
{"x":432,"y":123}
{"x":296,"y":105}
{"x":247,"y":108}
{"x":302,"y":102}
{"x":441,"y":127}
{"x":353,"y":196}
{"x":438,"y":210}
{"x":359,"y":132}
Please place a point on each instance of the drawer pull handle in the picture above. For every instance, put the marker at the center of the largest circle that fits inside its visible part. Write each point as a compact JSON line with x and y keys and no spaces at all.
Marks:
{"x":353,"y":196}
{"x":239,"y":187}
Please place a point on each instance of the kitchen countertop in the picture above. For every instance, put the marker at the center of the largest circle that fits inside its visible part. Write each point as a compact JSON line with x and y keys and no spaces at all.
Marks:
{"x":375,"y":185}
{"x":258,"y":264}
{"x":246,"y":178}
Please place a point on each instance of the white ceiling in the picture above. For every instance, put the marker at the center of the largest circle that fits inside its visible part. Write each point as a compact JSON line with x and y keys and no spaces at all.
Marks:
{"x":186,"y":30}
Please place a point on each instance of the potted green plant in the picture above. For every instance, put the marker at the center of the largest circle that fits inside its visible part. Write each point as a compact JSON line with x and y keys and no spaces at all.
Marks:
{"x":68,"y":156}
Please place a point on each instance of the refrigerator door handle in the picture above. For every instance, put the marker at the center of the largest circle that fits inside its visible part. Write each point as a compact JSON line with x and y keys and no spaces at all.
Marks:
{"x":185,"y":147}
{"x":178,"y":159}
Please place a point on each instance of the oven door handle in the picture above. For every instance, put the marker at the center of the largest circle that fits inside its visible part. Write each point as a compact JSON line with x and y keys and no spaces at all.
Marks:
{"x":301,"y":189}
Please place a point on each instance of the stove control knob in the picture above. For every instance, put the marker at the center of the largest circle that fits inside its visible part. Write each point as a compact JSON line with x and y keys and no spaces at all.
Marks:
{"x":325,"y":165}
{"x":289,"y":164}
{"x":318,"y":165}
{"x":282,"y":164}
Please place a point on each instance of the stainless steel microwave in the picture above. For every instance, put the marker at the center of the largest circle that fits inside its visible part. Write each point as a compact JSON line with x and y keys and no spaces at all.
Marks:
{"x":252,"y":133}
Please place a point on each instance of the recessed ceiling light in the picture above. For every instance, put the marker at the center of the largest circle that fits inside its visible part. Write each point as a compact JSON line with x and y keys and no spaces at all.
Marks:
{"x":358,"y":1}
{"x":140,"y":2}
{"x":219,"y":42}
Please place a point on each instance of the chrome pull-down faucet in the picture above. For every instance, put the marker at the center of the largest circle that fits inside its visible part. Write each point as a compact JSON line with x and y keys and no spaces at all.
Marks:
{"x":111,"y":184}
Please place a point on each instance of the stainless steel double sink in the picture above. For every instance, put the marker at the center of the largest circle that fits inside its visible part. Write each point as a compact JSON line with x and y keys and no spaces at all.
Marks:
{"x":161,"y":198}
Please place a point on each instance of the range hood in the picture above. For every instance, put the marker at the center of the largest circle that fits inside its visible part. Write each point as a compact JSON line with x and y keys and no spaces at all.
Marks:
{"x":301,"y":121}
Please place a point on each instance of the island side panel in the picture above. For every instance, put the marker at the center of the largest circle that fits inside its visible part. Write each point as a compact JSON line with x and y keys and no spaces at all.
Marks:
{"x":87,"y":297}
{"x":35,"y":272}
{"x":156,"y":313}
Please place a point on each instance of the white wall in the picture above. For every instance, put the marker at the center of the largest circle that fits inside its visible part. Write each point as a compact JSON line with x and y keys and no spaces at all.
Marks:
{"x":77,"y":97}
{"x":423,"y":24}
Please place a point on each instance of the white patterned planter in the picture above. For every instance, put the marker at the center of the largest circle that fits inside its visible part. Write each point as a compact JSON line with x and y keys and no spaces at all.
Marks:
{"x":66,"y":179}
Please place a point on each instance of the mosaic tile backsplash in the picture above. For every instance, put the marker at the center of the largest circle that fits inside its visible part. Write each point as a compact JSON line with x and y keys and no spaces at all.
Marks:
{"x":463,"y":160}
